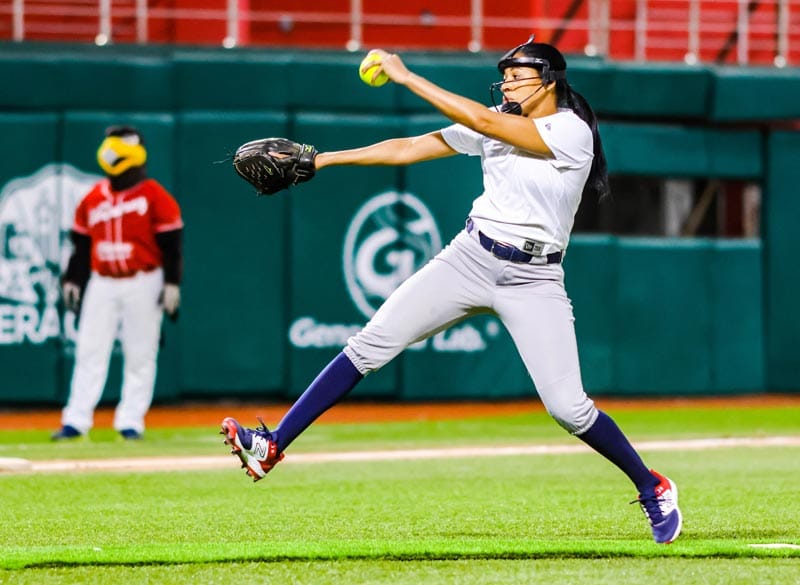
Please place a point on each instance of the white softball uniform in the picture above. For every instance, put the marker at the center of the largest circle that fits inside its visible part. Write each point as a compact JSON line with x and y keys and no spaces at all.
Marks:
{"x":528,"y":202}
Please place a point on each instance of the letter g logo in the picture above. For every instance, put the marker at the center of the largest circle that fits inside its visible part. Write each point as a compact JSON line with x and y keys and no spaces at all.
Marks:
{"x":391,"y":236}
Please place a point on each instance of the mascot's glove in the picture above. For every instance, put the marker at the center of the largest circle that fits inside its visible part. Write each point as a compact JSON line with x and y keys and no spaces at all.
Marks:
{"x":170,"y":299}
{"x":273,"y":164}
{"x":72,"y":296}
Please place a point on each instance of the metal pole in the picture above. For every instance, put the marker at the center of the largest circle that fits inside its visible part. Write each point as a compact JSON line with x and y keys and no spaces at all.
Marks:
{"x":640,"y":47}
{"x":104,"y":25}
{"x":18,"y":25}
{"x":356,"y":26}
{"x":605,"y":28}
{"x":141,"y":21}
{"x":781,"y":59}
{"x":598,"y":28}
{"x":743,"y":33}
{"x":476,"y":26}
{"x":232,"y":25}
{"x":693,"y":55}
{"x":592,"y":47}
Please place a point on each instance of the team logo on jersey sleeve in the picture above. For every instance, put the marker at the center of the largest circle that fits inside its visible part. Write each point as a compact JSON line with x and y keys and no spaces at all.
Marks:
{"x":390,"y":237}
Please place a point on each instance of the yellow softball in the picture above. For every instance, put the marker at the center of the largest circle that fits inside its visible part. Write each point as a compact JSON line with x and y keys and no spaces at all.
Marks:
{"x":365,"y":72}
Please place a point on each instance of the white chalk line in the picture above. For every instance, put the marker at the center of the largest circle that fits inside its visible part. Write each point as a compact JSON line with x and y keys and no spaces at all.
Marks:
{"x":198,"y":463}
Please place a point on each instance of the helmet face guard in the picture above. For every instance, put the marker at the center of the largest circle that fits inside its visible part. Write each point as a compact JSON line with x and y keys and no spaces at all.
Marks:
{"x":508,"y":107}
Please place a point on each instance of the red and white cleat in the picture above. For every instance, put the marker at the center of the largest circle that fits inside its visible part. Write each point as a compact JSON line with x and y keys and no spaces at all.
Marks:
{"x":255,"y":447}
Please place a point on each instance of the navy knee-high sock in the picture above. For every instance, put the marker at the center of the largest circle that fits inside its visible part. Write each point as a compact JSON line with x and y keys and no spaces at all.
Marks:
{"x":605,"y":437}
{"x":337,"y":379}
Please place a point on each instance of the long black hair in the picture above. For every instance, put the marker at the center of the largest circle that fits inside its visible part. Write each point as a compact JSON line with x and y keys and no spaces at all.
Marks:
{"x":553,"y":69}
{"x":567,"y":97}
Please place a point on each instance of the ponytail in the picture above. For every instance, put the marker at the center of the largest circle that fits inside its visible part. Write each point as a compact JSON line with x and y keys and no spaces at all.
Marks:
{"x":597,"y":182}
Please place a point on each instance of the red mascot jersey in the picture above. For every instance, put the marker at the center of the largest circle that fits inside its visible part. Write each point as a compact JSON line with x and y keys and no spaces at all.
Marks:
{"x":123,"y":226}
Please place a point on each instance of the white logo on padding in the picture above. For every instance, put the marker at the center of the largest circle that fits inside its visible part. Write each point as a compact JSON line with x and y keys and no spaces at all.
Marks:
{"x":391,"y":236}
{"x":36,"y":214}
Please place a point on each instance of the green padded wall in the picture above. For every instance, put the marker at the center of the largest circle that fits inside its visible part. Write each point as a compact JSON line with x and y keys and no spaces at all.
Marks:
{"x":681,"y":151}
{"x":30,"y":320}
{"x":663,"y":317}
{"x":36,"y":86}
{"x":331,"y":83}
{"x":468,"y":77}
{"x":591,"y":266}
{"x":47,"y":75}
{"x":232,"y":313}
{"x":680,"y":317}
{"x":754,"y":93}
{"x":227,"y":81}
{"x":737,"y":316}
{"x":781,"y":266}
{"x":322,"y":312}
{"x":622,"y":92}
{"x":140,"y":83}
{"x":651,"y":316}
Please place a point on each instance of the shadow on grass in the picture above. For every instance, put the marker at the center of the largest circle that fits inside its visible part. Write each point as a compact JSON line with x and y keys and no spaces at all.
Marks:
{"x":194,"y":554}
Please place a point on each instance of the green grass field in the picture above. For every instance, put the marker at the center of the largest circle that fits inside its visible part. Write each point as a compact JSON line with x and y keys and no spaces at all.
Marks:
{"x":509,"y":519}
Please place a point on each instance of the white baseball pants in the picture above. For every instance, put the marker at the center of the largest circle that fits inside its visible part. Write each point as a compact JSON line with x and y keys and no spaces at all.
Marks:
{"x":129,"y":305}
{"x":464,"y":279}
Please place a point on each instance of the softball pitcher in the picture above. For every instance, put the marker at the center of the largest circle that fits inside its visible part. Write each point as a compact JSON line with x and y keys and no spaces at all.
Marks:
{"x":540,"y":151}
{"x":124,"y":273}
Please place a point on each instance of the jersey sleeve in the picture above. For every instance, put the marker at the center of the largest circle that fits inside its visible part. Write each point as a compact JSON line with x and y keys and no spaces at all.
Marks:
{"x":463,"y":140}
{"x":81,"y":222}
{"x":568,"y":137}
{"x":166,"y":211}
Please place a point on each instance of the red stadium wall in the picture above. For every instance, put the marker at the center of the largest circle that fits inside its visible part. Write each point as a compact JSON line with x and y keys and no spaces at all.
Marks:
{"x":428,"y":25}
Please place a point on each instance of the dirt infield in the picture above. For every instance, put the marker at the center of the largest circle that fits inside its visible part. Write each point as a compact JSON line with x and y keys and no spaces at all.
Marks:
{"x":197,"y":463}
{"x":208,"y":414}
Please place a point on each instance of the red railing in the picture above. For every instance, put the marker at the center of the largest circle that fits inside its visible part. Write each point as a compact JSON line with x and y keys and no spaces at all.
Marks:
{"x":765,"y":32}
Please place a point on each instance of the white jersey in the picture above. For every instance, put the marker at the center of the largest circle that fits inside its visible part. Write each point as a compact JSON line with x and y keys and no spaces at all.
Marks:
{"x":528,"y":200}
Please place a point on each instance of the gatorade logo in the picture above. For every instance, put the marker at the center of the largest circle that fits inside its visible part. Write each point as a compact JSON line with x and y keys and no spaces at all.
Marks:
{"x":390,"y":237}
{"x":36,"y":215}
